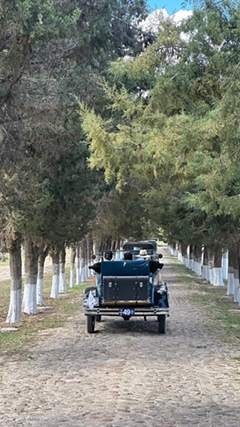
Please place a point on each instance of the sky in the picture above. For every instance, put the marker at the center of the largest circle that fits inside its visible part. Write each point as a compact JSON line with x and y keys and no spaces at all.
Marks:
{"x":171,"y":6}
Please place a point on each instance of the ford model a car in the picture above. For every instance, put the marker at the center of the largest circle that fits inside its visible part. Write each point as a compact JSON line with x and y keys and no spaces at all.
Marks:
{"x":149,"y":246}
{"x":127,"y":288}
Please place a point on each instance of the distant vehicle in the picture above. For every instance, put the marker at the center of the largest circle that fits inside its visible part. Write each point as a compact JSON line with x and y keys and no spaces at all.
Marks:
{"x":128,"y":288}
{"x":135,"y":248}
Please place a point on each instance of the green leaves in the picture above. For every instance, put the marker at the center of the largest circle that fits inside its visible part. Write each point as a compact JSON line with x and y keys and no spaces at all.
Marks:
{"x":174,"y":126}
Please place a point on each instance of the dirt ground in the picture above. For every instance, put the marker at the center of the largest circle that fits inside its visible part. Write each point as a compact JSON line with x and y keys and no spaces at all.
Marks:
{"x":126,"y":374}
{"x":5,"y":270}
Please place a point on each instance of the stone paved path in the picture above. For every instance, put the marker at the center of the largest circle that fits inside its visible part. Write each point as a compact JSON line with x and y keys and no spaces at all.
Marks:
{"x":126,"y":374}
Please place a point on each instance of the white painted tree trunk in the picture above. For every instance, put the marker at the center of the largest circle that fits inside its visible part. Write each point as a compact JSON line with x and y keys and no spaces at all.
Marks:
{"x":217,"y":267}
{"x":86,"y":269}
{"x":238,"y":294}
{"x":197,"y":268}
{"x":206,"y":272}
{"x":83,"y":250}
{"x":225,"y":265}
{"x":83,"y":271}
{"x":236,"y":290}
{"x":218,"y":276}
{"x":78,"y":275}
{"x":55,"y":254}
{"x":72,"y":278}
{"x":191,"y":264}
{"x":180,"y":257}
{"x":186,"y":262}
{"x":14,"y":310}
{"x":88,"y":256}
{"x":29,"y":305}
{"x":211,"y":275}
{"x":188,"y":258}
{"x":55,"y":282}
{"x":43,"y":252}
{"x":30,"y":298}
{"x":62,"y":273}
{"x":236,"y":286}
{"x":62,"y":280}
{"x":74,"y":251}
{"x":78,"y":269}
{"x":231,"y":283}
{"x":173,"y":251}
{"x":89,"y":271}
{"x":40,"y":284}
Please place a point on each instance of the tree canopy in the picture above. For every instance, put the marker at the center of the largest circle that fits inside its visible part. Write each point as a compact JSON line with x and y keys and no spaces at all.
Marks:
{"x":173,"y":127}
{"x":51,"y":55}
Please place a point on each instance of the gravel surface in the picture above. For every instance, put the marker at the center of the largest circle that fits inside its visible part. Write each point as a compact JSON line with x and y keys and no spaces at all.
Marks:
{"x":126,"y":374}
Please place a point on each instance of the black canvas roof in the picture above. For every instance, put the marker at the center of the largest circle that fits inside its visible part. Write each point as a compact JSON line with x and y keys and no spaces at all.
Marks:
{"x":129,"y":246}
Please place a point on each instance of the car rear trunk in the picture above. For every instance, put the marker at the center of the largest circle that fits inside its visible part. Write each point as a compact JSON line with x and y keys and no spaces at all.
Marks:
{"x":126,"y":283}
{"x":126,"y":290}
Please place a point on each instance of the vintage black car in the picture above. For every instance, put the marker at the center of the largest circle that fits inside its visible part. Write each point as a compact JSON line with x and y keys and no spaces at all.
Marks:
{"x":128,"y":288}
{"x":135,"y":247}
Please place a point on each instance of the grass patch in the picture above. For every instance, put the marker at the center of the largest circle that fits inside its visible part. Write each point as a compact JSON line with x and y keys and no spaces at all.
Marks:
{"x":220,"y":309}
{"x":4,"y":263}
{"x":57,"y":312}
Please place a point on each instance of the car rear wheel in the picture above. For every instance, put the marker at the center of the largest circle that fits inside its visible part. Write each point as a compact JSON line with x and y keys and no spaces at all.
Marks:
{"x":90,"y":324}
{"x":162,"y":324}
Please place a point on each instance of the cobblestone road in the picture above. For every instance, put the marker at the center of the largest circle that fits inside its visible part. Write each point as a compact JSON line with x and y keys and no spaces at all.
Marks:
{"x":126,"y":374}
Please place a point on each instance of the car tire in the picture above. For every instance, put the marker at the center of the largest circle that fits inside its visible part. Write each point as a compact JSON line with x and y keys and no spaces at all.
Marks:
{"x":162,"y":324}
{"x":90,"y":324}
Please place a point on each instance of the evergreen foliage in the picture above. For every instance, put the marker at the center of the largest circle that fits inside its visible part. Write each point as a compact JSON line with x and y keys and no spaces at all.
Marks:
{"x":174,"y":127}
{"x":53,"y":53}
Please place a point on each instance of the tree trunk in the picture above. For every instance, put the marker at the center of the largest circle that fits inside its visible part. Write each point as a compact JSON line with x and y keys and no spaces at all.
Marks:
{"x":96,"y":249}
{"x":206,"y":266}
{"x":190,"y":250}
{"x":76,"y":255}
{"x":233,"y":269}
{"x":31,"y":271}
{"x":62,"y":276}
{"x":55,"y":254}
{"x":173,"y":249}
{"x":238,"y":278}
{"x":217,"y":267}
{"x":184,"y":255}
{"x":225,"y":264}
{"x":88,"y":256}
{"x":83,"y":260}
{"x":41,"y":262}
{"x":197,"y":263}
{"x":14,"y":311}
{"x":72,"y":265}
{"x":180,"y":256}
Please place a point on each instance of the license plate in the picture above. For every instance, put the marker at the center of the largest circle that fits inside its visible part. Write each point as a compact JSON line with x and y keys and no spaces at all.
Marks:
{"x":125,"y":312}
